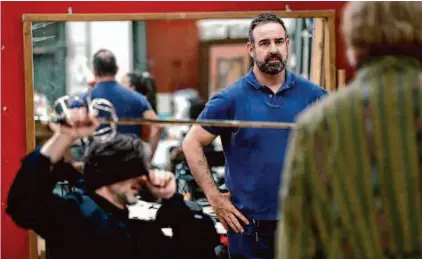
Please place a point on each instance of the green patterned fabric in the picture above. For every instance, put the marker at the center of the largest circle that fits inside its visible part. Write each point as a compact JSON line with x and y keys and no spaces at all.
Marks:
{"x":352,"y":178}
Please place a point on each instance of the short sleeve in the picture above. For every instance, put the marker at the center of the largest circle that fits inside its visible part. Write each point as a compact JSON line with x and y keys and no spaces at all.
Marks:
{"x":319,"y":93}
{"x":218,"y":108}
{"x":78,"y":101}
{"x":144,"y":104}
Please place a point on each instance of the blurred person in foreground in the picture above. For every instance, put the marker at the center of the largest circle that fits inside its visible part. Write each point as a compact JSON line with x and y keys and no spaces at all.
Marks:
{"x":352,"y":179}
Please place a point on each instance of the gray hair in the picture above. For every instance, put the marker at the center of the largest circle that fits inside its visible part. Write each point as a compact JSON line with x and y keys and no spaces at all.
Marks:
{"x":367,"y":23}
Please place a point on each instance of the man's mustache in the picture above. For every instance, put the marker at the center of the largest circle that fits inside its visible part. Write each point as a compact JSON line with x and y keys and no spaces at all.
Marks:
{"x":274,"y":56}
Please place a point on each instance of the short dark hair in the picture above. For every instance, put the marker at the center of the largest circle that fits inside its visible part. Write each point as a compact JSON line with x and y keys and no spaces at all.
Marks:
{"x":118,"y":159}
{"x":145,"y":84}
{"x":196,"y":109}
{"x":104,"y":63}
{"x":264,"y":18}
{"x":136,"y":80}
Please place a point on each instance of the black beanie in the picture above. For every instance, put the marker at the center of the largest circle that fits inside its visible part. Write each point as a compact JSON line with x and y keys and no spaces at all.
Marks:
{"x":117,"y":160}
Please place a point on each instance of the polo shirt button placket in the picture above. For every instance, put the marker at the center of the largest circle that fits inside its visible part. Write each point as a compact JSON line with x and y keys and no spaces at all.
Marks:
{"x":271,"y":98}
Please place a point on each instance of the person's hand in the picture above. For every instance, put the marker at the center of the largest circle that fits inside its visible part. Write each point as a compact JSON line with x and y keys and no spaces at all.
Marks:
{"x":80,"y":123}
{"x":161,"y":183}
{"x":229,"y":216}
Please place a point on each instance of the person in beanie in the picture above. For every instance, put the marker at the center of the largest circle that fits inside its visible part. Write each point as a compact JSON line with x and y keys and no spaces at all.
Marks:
{"x":93,"y":222}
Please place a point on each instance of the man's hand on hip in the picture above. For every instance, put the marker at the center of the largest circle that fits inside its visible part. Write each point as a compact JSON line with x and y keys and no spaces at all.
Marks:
{"x":227,"y":213}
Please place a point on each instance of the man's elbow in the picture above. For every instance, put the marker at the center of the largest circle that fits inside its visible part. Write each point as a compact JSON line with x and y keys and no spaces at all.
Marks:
{"x":158,"y":128}
{"x":186,"y":145}
{"x":17,"y":198}
{"x":189,"y":144}
{"x":196,"y":139}
{"x":19,"y":211}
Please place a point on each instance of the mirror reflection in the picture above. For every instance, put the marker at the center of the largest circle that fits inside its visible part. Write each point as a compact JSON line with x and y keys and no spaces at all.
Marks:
{"x":204,"y":55}
{"x":176,"y":65}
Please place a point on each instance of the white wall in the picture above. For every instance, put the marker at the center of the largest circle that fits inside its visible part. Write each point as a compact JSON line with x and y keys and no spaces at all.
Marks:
{"x":117,"y":37}
{"x":164,"y":103}
{"x":85,"y":38}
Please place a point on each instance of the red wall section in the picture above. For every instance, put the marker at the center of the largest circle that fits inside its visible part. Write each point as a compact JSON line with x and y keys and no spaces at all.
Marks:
{"x":14,"y":242}
{"x":173,"y":48}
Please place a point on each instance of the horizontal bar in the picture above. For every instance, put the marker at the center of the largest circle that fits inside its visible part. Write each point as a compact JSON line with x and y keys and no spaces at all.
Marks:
{"x":207,"y":123}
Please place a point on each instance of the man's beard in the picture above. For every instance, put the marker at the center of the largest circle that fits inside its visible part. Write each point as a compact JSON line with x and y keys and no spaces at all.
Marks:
{"x":271,"y":68}
{"x":127,"y":198}
{"x":131,"y":200}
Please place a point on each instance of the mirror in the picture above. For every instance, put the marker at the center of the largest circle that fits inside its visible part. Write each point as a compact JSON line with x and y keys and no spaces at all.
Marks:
{"x":190,"y":57}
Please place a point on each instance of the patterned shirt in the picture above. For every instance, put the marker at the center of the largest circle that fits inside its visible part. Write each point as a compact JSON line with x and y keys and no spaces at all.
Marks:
{"x":353,"y":173}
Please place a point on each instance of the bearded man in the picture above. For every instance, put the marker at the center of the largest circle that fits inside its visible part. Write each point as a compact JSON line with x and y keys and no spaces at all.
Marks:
{"x":254,"y":156}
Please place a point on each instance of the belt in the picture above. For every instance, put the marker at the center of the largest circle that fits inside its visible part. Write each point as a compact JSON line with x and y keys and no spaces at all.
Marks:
{"x":263,"y":226}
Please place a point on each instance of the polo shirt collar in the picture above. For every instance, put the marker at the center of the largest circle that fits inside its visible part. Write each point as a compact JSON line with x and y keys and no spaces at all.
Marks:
{"x":288,"y":83}
{"x":108,"y":82}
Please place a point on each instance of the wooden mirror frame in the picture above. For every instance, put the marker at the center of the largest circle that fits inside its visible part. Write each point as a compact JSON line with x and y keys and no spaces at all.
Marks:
{"x":328,"y":15}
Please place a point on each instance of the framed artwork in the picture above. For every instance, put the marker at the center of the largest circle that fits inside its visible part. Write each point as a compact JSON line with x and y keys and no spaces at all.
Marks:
{"x":229,"y":70}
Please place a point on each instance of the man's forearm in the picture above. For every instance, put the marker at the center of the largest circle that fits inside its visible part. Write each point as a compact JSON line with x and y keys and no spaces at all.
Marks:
{"x":198,"y":165}
{"x":154,"y":138}
{"x":56,"y":147}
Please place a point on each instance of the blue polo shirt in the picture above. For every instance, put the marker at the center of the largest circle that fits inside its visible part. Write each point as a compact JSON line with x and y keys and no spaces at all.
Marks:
{"x":255,"y":156}
{"x":127,"y":103}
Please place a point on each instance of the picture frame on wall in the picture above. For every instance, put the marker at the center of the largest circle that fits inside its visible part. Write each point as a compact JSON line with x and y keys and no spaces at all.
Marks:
{"x":229,"y":70}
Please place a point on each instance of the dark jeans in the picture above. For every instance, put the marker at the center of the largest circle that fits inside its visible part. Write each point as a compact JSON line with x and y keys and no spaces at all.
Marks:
{"x":256,"y":242}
